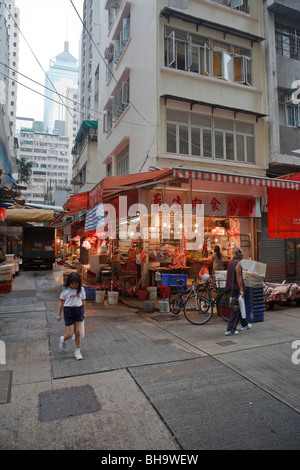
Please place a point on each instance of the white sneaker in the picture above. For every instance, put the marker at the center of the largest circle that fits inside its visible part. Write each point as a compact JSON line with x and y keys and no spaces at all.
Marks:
{"x":230,"y":333}
{"x":247,"y":327}
{"x":78,"y":355}
{"x":62,"y":344}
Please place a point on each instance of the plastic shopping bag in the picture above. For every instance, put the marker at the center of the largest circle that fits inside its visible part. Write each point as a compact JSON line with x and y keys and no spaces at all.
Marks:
{"x":242,"y":306}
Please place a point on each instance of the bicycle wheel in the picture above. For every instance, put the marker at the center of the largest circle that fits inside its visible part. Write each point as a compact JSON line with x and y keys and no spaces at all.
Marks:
{"x":175,"y":305}
{"x":223,"y":308}
{"x":198,"y":310}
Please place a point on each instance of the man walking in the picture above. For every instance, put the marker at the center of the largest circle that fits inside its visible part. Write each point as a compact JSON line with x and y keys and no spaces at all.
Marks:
{"x":235,"y":285}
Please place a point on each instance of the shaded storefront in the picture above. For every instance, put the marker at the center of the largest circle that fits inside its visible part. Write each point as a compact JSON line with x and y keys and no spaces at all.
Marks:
{"x":232,"y":217}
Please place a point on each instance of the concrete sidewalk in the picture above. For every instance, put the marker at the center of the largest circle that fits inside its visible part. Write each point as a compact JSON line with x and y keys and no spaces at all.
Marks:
{"x":147,"y":382}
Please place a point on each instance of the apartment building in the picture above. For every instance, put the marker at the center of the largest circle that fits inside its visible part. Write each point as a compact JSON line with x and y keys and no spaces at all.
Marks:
{"x":12,"y":15}
{"x":89,"y":61}
{"x":9,"y":47}
{"x":183,"y":85}
{"x":49,"y":155}
{"x":282,"y":32}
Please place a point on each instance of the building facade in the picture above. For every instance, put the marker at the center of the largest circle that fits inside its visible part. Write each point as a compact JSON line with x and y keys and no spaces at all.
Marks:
{"x":49,"y":154}
{"x":62,"y":74}
{"x":282,"y":32}
{"x":12,"y":15}
{"x":187,"y":88}
{"x":89,"y":61}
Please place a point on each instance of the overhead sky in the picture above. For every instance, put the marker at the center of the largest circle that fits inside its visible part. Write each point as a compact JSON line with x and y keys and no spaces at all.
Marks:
{"x":45,"y":26}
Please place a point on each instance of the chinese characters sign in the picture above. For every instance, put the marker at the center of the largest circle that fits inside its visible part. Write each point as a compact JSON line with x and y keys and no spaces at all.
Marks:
{"x":215,"y":205}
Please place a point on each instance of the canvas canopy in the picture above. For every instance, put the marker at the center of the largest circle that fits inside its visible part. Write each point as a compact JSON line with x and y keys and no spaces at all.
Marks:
{"x":29,"y":215}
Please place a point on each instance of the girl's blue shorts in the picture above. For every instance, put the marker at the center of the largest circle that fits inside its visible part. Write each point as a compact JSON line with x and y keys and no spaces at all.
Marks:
{"x":73,"y":315}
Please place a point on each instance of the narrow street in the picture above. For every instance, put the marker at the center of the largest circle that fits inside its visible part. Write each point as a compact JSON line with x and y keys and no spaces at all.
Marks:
{"x":147,"y":381}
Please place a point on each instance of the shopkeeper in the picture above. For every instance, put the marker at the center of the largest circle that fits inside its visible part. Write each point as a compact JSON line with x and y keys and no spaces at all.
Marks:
{"x":116,"y":267}
{"x":216,"y":260}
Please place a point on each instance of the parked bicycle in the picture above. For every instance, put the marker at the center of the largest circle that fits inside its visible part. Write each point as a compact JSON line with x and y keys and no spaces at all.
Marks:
{"x":197,"y":309}
{"x":221,"y":300}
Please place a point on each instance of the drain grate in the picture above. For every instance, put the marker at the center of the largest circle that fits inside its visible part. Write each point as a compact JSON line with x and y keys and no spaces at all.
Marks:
{"x":67,"y":402}
{"x":226,"y":343}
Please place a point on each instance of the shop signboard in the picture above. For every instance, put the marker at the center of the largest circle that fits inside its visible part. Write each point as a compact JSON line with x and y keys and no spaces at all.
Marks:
{"x":215,"y":205}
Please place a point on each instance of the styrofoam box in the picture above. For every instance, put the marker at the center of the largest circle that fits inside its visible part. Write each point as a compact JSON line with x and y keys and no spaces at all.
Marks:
{"x":254,"y":267}
{"x":221,"y":275}
{"x":7,"y":268}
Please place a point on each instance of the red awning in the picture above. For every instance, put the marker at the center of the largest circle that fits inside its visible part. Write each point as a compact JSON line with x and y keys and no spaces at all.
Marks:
{"x":77,"y":203}
{"x":237,"y":179}
{"x":114,"y":186}
{"x":284,"y":211}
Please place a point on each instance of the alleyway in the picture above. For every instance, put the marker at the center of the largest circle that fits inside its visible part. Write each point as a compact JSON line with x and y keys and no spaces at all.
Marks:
{"x":147,"y":382}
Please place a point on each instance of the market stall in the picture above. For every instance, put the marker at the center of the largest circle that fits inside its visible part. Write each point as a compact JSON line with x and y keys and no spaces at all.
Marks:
{"x":142,"y":248}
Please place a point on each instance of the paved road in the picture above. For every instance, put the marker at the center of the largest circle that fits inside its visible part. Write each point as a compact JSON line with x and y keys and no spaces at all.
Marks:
{"x":147,"y":382}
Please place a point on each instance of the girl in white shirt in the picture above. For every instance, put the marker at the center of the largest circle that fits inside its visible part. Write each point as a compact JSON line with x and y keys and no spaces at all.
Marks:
{"x":73,"y":301}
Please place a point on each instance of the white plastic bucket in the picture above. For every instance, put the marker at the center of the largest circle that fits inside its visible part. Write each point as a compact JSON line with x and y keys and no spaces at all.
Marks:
{"x":112,"y":298}
{"x":164,"y":306}
{"x":152,"y":293}
{"x":100,"y":296}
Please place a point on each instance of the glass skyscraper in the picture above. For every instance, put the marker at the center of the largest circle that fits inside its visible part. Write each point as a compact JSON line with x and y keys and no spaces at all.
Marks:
{"x":63,"y":74}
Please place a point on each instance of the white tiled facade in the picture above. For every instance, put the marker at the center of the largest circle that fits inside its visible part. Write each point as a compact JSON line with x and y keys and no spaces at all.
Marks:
{"x":182,"y":87}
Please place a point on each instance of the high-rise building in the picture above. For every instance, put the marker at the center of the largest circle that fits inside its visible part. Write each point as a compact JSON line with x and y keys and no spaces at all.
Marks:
{"x":89,"y":61}
{"x":62,"y":74}
{"x":49,"y":154}
{"x":12,"y":15}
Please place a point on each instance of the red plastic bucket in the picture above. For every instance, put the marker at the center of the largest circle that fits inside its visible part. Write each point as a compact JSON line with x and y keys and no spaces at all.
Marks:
{"x":164,"y":290}
{"x":142,"y":294}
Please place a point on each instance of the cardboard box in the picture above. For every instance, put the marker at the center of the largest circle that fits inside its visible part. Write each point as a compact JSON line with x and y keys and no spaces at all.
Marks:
{"x":254,"y":267}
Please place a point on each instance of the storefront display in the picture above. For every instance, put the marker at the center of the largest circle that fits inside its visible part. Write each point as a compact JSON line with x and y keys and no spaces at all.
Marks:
{"x":142,"y":247}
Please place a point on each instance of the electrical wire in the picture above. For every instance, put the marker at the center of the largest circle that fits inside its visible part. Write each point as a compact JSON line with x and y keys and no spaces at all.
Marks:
{"x":63,"y":96}
{"x":106,"y":65}
{"x":31,"y":50}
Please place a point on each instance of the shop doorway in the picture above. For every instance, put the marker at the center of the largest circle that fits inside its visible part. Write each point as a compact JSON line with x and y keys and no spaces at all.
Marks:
{"x":290,"y":258}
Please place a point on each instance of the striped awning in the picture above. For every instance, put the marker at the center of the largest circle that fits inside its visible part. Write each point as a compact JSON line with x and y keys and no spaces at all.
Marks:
{"x":77,"y":203}
{"x":235,"y":179}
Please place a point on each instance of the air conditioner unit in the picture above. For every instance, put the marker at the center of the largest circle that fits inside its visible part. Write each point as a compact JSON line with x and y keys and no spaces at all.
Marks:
{"x":114,"y":3}
{"x":290,"y":98}
{"x":109,"y":53}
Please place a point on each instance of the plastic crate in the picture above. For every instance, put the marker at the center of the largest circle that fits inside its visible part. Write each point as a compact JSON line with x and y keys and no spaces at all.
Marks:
{"x":174,"y":280}
{"x":6,"y":288}
{"x":254,"y":312}
{"x":90,"y":292}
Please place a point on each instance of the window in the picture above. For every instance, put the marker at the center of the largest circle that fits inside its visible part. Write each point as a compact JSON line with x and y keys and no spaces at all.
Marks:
{"x":287,"y":41}
{"x":122,"y":40}
{"x":194,"y":53}
{"x":241,"y":5}
{"x":123,"y":162}
{"x":289,"y":113}
{"x":204,"y":136}
{"x":119,"y":103}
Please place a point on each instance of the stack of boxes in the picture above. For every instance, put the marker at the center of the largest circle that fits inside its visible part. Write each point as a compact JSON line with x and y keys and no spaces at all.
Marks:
{"x":254,"y":274}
